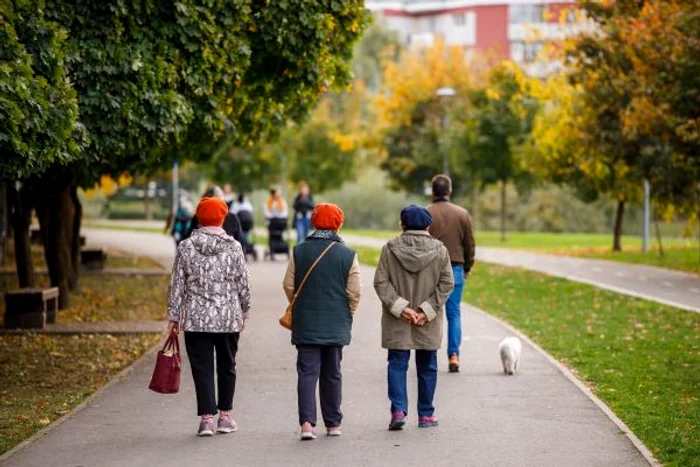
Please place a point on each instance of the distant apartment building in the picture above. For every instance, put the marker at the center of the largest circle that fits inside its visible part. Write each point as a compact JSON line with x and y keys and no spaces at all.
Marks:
{"x":514,"y":29}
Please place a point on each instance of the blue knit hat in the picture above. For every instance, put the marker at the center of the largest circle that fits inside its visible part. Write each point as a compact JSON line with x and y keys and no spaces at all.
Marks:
{"x":415,"y":218}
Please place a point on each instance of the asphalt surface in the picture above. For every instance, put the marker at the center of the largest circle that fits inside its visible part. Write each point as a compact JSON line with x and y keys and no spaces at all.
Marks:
{"x":535,"y":418}
{"x":665,"y":286}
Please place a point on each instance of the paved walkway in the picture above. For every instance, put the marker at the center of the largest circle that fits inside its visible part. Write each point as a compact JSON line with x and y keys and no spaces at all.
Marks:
{"x":665,"y":286}
{"x":536,"y":418}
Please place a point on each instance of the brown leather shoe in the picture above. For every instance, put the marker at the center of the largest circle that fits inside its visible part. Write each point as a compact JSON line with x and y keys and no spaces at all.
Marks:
{"x":454,"y":363}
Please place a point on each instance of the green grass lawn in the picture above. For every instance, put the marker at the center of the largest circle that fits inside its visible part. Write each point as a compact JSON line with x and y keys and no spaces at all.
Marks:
{"x":639,"y":357}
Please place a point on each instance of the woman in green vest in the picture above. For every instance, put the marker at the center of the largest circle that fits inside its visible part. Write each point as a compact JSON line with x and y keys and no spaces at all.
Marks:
{"x":322,"y":316}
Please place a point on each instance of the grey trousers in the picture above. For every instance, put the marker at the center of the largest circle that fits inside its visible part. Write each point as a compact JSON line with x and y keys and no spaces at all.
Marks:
{"x":319,"y":364}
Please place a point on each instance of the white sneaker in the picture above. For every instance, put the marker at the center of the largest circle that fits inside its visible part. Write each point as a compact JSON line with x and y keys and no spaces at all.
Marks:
{"x":334,"y":431}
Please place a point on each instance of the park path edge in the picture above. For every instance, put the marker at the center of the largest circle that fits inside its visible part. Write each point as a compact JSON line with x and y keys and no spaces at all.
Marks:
{"x":622,"y":426}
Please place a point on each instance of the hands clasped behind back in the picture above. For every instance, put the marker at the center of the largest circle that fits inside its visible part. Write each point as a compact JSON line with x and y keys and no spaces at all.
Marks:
{"x":414,"y":317}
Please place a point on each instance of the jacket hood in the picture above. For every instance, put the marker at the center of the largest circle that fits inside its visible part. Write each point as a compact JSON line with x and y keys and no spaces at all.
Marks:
{"x":415,"y":250}
{"x":210,"y":244}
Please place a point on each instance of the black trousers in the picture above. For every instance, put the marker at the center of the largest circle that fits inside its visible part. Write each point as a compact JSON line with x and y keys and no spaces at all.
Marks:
{"x":314,"y":362}
{"x":200,"y":351}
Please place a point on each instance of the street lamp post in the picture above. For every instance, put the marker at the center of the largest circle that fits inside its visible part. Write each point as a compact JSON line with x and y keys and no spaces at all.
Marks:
{"x":647,"y":216}
{"x":445,"y":93}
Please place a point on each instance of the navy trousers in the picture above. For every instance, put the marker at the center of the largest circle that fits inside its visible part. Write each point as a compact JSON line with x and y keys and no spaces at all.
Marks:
{"x":319,"y":365}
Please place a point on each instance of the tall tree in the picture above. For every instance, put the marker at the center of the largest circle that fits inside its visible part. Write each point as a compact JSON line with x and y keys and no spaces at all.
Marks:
{"x":38,"y":113}
{"x":411,"y":115}
{"x":495,"y":126}
{"x":156,"y":80}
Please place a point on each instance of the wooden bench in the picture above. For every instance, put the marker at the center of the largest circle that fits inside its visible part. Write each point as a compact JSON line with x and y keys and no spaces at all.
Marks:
{"x":93,"y":259}
{"x":31,"y":307}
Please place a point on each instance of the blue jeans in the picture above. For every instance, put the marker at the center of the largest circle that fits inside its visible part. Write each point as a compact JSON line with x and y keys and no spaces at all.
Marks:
{"x":454,"y":315}
{"x":426,"y":367}
{"x":303,"y":226}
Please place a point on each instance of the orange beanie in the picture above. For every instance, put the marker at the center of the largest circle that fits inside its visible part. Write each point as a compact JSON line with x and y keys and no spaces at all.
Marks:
{"x":327,"y":217}
{"x":211,"y":212}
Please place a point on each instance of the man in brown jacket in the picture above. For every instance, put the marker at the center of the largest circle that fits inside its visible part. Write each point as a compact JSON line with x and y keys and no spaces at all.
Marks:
{"x":452,"y":225}
{"x":413,"y":280}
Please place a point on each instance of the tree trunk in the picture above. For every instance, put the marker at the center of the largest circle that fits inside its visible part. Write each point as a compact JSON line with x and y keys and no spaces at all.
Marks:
{"x":148,"y":207}
{"x":75,"y":236}
{"x":3,"y":223}
{"x":56,"y":217}
{"x":658,"y":233}
{"x":503,"y":210}
{"x":21,"y":219}
{"x":617,"y":233}
{"x":475,"y":201}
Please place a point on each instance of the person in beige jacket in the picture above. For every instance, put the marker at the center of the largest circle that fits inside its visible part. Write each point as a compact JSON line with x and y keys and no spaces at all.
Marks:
{"x":413,"y":281}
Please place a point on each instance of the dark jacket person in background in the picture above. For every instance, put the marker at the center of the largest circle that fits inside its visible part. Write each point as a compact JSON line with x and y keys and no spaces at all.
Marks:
{"x":322,"y":317}
{"x":452,"y":225}
{"x":231,"y":225}
{"x":303,"y":207}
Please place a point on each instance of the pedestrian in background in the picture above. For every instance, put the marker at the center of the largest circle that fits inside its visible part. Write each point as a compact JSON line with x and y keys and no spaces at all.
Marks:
{"x":452,"y":225}
{"x":231,"y":224}
{"x":209,"y":299}
{"x":303,"y":207}
{"x":243,"y":209}
{"x":413,"y":281}
{"x":276,"y":207}
{"x":322,"y":317}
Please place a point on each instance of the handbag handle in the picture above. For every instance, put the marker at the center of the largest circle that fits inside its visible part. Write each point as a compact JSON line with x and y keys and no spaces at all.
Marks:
{"x":172,"y":343}
{"x":308,"y":273}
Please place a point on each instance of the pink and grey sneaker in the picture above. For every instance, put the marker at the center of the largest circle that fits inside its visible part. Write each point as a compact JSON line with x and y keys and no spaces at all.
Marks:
{"x":307,"y":432}
{"x":226,"y":424}
{"x":427,"y":422}
{"x":206,"y":426}
{"x":398,"y":420}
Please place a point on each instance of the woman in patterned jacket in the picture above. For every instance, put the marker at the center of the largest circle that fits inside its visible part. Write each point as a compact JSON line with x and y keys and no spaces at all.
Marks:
{"x":209,"y":299}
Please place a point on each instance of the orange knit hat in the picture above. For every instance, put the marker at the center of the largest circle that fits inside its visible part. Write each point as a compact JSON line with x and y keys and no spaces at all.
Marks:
{"x":211,"y":212}
{"x":327,"y":217}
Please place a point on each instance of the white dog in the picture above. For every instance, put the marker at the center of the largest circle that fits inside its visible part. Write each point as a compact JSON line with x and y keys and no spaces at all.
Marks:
{"x":510,"y":354}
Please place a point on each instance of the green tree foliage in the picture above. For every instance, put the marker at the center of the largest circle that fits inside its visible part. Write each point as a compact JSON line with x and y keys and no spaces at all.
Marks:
{"x":157,"y":80}
{"x":38,"y":108}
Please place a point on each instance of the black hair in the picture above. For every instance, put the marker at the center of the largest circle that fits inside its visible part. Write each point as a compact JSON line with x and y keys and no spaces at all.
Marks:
{"x":442,"y":186}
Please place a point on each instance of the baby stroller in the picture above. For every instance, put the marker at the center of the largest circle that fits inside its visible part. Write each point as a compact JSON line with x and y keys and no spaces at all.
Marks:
{"x":277,"y":244}
{"x":248,"y":242}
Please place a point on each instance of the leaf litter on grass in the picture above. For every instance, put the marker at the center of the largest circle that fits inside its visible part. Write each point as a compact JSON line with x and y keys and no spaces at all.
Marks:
{"x":44,"y":376}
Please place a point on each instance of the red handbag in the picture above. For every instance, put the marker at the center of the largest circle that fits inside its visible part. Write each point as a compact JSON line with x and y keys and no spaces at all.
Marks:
{"x":166,"y":374}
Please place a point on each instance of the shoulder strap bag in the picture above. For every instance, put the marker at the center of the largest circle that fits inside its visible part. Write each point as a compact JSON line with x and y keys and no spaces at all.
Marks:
{"x":286,"y":319}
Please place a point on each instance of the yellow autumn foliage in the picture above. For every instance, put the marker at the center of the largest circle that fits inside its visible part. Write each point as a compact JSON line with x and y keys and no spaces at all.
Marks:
{"x":417,"y":76}
{"x":108,"y":186}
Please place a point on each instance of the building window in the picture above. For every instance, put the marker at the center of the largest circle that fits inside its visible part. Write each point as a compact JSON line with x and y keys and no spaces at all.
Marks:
{"x":526,"y":14}
{"x":459,"y":19}
{"x":525,"y":52}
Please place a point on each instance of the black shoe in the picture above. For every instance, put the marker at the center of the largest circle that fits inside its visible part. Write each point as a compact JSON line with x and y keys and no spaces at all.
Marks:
{"x":454,"y":363}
